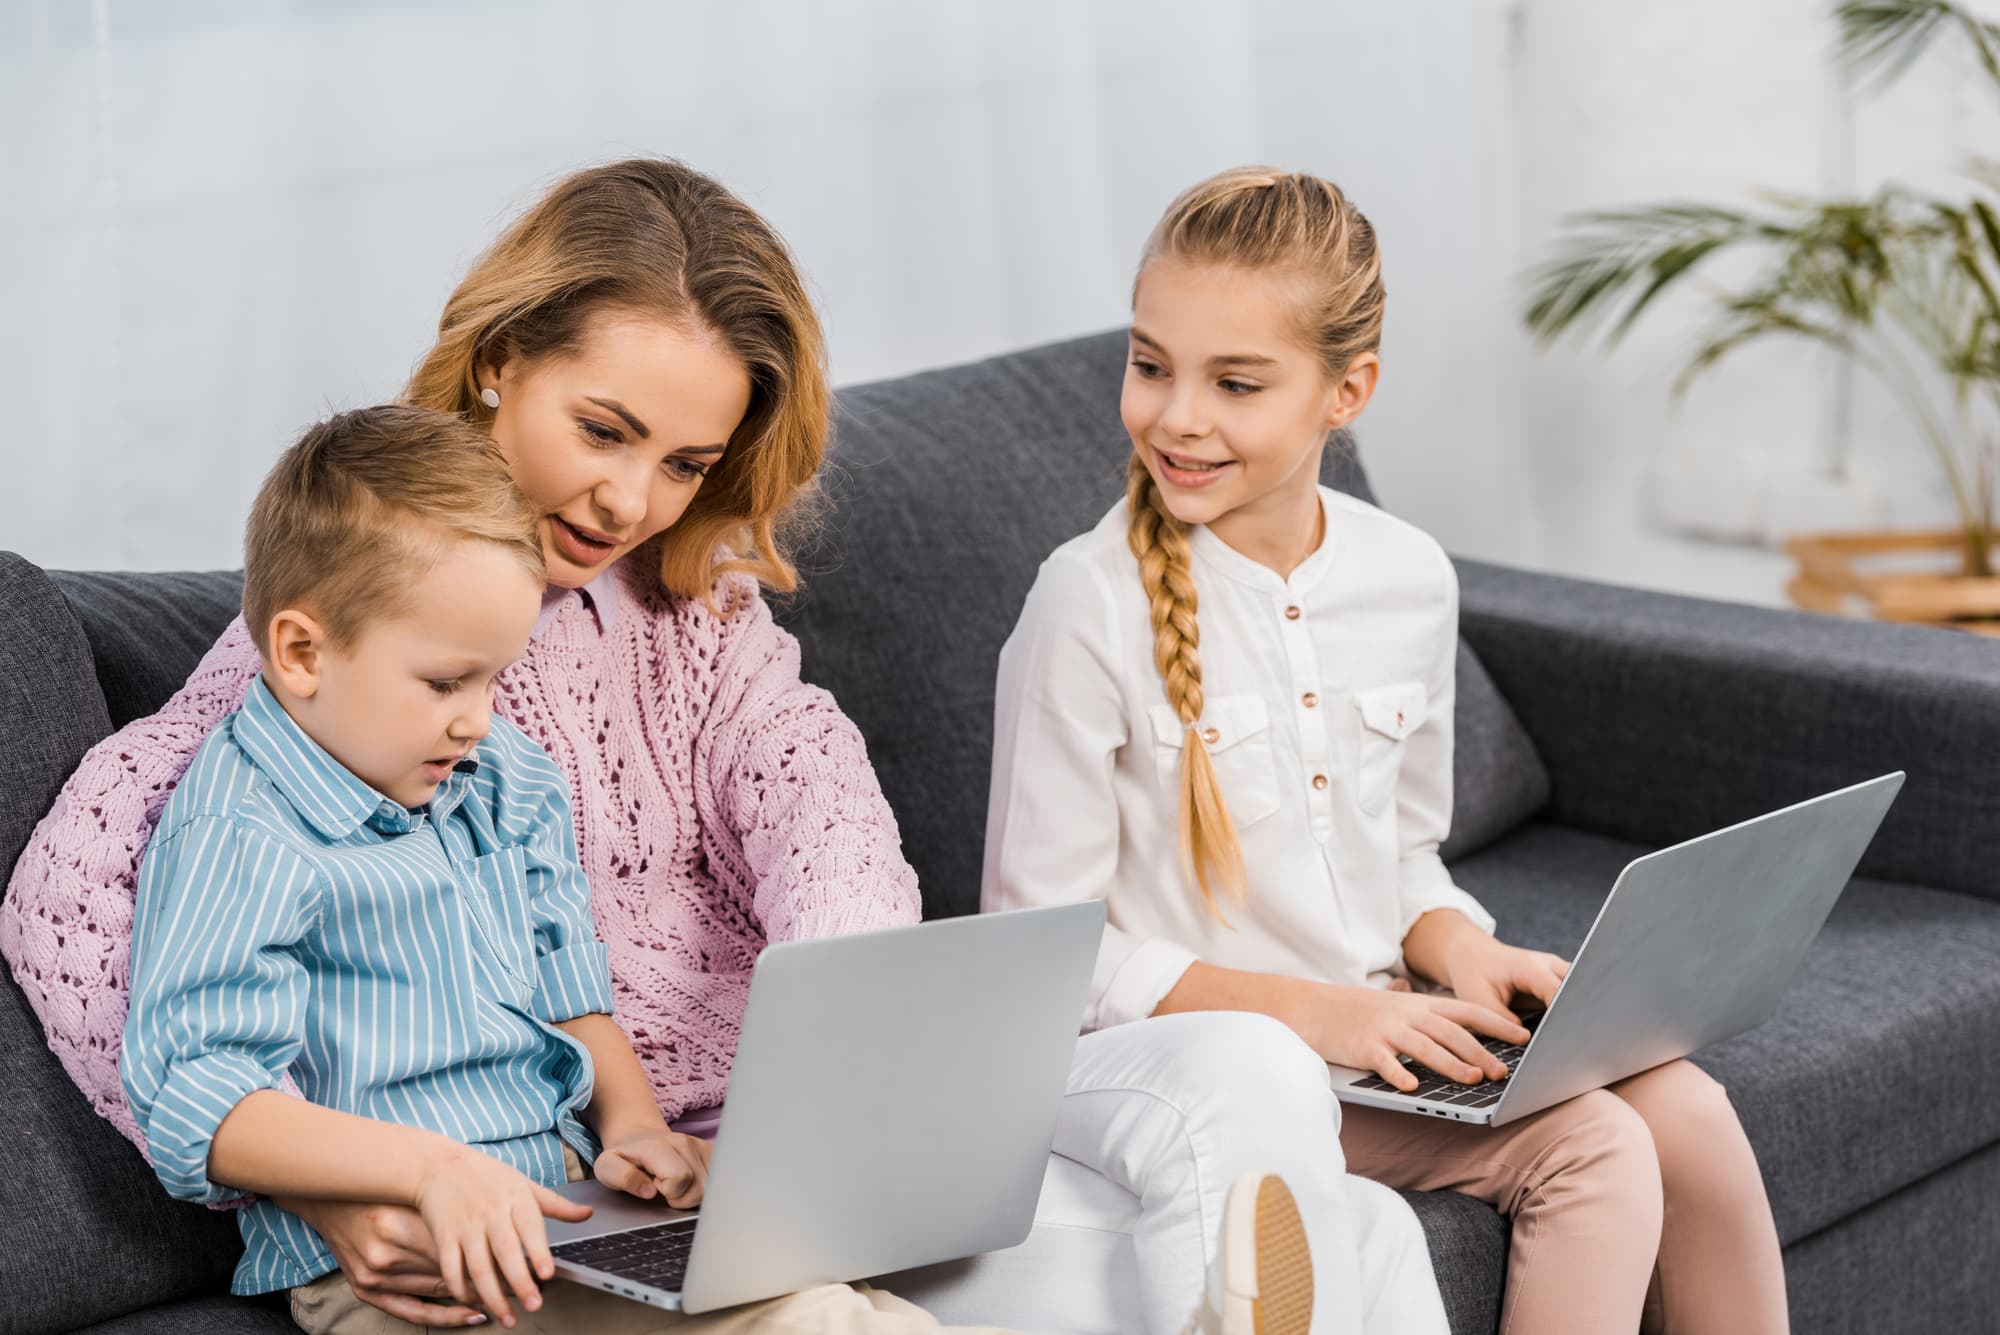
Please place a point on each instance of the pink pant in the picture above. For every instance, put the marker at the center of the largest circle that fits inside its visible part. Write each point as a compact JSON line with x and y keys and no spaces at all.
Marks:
{"x":1634,"y":1207}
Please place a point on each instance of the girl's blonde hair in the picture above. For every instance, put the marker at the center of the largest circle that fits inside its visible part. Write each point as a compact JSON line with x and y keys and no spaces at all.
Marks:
{"x":654,"y":238}
{"x":1301,"y":228}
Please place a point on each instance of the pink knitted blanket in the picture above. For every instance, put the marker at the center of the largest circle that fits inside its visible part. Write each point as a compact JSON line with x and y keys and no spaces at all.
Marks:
{"x":721,"y":804}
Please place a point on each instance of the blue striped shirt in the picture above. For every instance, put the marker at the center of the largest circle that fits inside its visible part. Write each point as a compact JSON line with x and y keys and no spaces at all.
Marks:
{"x":405,"y":965}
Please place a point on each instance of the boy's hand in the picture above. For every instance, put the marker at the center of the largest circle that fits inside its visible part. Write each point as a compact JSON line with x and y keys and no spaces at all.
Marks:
{"x":1492,"y":974}
{"x":486,"y":1219}
{"x":656,"y":1161}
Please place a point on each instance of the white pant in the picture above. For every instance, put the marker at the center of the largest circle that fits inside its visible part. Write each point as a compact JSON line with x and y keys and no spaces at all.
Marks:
{"x":1164,"y":1114}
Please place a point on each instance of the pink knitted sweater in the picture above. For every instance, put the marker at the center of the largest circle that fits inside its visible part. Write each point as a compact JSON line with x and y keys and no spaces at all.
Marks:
{"x":721,"y":804}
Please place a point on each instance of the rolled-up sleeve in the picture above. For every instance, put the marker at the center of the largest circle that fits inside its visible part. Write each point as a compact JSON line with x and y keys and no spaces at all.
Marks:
{"x":1424,"y":791}
{"x":218,"y":993}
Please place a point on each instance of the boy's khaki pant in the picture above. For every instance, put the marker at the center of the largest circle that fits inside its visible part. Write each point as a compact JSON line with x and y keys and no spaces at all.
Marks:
{"x":327,"y":1306}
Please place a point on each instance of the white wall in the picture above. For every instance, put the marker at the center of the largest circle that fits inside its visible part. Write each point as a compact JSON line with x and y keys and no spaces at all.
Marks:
{"x":225,"y":218}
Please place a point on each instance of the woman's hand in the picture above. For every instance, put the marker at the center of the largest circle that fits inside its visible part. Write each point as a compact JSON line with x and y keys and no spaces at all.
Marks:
{"x":656,"y":1161}
{"x":486,"y":1219}
{"x":389,"y":1259}
{"x":1493,"y":974}
{"x":1374,"y":1029}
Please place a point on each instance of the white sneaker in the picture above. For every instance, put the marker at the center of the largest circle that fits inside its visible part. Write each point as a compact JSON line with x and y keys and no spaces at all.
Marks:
{"x":1262,"y":1280}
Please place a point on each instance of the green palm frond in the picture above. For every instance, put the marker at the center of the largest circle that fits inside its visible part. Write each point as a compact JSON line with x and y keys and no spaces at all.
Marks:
{"x":1882,"y":38}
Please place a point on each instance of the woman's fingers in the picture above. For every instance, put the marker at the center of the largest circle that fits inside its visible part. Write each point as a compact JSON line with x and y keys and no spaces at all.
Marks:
{"x":417,"y":1312}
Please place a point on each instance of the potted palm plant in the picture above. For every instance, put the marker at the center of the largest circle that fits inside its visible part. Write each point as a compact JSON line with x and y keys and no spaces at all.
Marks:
{"x":1902,"y":283}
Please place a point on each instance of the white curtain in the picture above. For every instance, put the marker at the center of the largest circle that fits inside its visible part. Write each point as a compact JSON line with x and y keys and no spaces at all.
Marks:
{"x":224,"y":218}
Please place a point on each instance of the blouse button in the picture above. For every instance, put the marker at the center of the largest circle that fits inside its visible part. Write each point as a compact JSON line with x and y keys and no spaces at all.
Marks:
{"x":1292,"y":612}
{"x":1319,"y":782}
{"x":1309,"y":699}
{"x":1212,"y":736}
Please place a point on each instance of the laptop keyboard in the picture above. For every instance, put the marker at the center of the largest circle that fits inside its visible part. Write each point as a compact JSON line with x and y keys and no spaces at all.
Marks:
{"x":1435,"y":1088}
{"x":656,"y":1256}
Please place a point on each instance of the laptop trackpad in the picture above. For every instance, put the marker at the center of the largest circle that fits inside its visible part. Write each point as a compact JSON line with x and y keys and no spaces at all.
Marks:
{"x":611,"y":1212}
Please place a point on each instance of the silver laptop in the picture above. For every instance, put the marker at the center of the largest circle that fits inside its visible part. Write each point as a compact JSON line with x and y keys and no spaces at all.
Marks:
{"x":893,"y":1101}
{"x":1695,"y":944}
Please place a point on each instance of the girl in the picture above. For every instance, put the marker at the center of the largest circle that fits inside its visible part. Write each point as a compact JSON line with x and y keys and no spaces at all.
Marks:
{"x":642,"y":351}
{"x":1259,"y":791}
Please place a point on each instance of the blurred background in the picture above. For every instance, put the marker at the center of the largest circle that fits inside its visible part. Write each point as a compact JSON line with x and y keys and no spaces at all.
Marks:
{"x":224,"y":218}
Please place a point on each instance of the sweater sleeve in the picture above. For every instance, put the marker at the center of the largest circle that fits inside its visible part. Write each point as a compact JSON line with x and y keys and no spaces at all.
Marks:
{"x":789,"y":802}
{"x":66,"y":922}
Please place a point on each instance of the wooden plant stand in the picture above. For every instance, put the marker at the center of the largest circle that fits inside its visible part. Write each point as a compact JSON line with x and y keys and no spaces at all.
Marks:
{"x":1907,"y":576}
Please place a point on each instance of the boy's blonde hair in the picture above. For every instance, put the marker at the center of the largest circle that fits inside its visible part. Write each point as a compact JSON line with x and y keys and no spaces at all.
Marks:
{"x":357,"y":512}
{"x":1302,"y":228}
{"x":654,"y":238}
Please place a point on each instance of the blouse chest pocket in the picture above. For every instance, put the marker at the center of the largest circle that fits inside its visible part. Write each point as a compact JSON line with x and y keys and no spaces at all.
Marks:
{"x":1237,"y":732}
{"x":498,"y":897}
{"x":1389,"y":714}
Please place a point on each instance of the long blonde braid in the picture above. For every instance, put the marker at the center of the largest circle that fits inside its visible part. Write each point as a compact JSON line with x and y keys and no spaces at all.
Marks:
{"x":1253,"y":218}
{"x":1210,"y":851}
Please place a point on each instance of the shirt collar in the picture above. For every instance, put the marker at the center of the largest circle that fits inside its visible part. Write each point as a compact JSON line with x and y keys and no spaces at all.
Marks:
{"x":602,"y":597}
{"x":1213,"y":551}
{"x":333,"y":800}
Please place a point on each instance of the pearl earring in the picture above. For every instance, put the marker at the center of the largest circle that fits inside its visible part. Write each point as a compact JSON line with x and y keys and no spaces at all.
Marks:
{"x":490,"y":397}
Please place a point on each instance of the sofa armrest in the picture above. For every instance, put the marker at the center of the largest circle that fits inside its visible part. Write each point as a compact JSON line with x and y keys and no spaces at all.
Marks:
{"x":1662,"y":717}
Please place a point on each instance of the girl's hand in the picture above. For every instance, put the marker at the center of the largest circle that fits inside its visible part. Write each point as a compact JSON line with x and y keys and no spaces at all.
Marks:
{"x":1361,"y":1026}
{"x":388,"y":1257}
{"x":486,"y":1219}
{"x":1492,"y":974}
{"x":656,"y":1161}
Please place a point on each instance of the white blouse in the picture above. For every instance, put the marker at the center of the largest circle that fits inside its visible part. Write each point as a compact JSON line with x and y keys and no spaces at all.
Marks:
{"x":1328,"y":714}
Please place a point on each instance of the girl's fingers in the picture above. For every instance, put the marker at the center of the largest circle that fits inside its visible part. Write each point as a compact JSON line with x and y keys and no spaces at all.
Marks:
{"x":1394,"y":1071}
{"x":1482,"y":1020}
{"x":1421,"y":1047}
{"x":1399,"y":985}
{"x":1465,"y":1046}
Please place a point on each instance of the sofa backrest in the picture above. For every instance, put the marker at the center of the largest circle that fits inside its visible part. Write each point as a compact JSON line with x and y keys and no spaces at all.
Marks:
{"x":85,"y":1231}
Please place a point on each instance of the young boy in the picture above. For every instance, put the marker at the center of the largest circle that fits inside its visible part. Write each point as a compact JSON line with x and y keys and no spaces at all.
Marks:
{"x":364,"y":966}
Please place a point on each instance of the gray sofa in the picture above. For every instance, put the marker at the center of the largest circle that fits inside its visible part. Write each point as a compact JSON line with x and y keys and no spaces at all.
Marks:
{"x":1595,"y":723}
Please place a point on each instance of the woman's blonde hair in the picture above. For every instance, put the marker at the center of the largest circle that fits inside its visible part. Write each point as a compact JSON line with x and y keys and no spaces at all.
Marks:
{"x":655,"y":238}
{"x":1303,"y":229}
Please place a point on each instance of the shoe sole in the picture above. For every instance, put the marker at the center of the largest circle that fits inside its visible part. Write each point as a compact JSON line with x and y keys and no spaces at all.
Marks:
{"x":1266,"y":1265}
{"x":1284,"y":1302}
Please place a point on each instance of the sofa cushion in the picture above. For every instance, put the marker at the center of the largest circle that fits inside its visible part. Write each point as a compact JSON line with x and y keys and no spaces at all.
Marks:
{"x":946,"y":492}
{"x":148,"y":630}
{"x":50,"y":708}
{"x":91,"y":1233}
{"x":1497,"y":776}
{"x":1879,"y":1067}
{"x":204,"y":1316}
